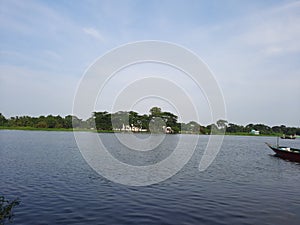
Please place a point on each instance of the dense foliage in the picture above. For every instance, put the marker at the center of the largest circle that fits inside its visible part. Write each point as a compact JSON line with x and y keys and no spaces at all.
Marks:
{"x":104,"y":121}
{"x":6,"y":209}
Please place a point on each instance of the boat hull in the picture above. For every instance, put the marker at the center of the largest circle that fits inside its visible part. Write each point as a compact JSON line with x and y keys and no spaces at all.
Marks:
{"x":291,"y":138}
{"x":293,"y":155}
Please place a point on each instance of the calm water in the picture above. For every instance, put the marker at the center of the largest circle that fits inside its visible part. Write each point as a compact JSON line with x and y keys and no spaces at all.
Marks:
{"x":244,"y":185}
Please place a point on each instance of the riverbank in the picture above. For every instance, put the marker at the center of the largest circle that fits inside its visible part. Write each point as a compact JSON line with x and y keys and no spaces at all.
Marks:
{"x":111,"y":131}
{"x":54,"y":129}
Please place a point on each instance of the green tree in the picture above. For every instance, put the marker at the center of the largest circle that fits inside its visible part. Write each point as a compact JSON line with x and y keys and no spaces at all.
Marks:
{"x":155,"y":111}
{"x":68,"y":122}
{"x":103,"y":120}
{"x":50,"y":120}
{"x":59,"y":122}
{"x":3,"y":120}
{"x":169,"y":118}
{"x":291,"y":130}
{"x":119,"y":119}
{"x":234,"y":128}
{"x":42,"y":124}
{"x":156,"y":125}
{"x":145,"y":121}
{"x":263,"y":129}
{"x":249,"y":127}
{"x":76,"y":122}
{"x":212,"y":129}
{"x":222,"y":124}
{"x":133,"y":118}
{"x":193,"y":127}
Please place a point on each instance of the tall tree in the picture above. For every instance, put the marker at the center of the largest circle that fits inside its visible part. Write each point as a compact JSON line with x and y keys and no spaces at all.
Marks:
{"x":103,"y":120}
{"x":3,"y":120}
{"x":155,"y":111}
{"x":222,"y":123}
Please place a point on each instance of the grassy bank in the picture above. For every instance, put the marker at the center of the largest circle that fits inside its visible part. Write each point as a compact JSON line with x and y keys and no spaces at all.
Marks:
{"x":53,"y":129}
{"x":35,"y":128}
{"x":110,"y":131}
{"x":248,"y":134}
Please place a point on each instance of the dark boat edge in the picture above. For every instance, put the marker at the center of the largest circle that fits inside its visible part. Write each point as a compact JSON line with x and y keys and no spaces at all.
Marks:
{"x":293,"y":154}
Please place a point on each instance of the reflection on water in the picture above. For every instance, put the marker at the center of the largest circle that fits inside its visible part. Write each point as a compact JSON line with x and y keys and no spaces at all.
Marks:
{"x":244,"y":185}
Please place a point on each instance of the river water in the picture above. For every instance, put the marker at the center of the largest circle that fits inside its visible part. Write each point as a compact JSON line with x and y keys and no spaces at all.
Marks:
{"x":245,"y":184}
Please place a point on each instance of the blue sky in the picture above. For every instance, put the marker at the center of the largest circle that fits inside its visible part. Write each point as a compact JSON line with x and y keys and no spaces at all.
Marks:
{"x":253,"y":48}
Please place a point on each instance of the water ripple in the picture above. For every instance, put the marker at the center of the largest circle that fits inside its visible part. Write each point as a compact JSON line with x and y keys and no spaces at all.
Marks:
{"x":244,"y":185}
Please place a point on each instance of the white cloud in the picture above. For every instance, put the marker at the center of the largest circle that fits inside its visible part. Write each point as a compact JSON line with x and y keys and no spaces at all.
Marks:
{"x":32,"y":19}
{"x":275,"y":31}
{"x":53,"y":55}
{"x":94,"y":33}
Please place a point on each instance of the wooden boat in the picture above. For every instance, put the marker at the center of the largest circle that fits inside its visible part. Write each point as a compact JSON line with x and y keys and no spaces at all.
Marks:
{"x":288,"y":137}
{"x":291,"y":154}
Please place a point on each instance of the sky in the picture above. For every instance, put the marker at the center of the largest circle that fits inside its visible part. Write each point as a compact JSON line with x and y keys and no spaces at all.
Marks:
{"x":251,"y":47}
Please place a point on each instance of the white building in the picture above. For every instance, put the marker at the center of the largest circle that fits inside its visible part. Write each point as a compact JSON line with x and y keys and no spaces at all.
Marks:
{"x":255,"y":132}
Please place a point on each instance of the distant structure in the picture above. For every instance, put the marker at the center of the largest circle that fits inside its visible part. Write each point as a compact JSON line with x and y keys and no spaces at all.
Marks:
{"x":255,"y":132}
{"x":131,"y":128}
{"x":285,"y":136}
{"x":167,"y":130}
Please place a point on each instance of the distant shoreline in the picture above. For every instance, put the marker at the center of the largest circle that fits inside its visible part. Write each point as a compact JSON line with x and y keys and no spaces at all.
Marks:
{"x":156,"y":121}
{"x":110,"y":131}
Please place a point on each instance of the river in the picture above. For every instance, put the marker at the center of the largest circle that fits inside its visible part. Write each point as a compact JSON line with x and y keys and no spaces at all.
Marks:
{"x":245,"y":184}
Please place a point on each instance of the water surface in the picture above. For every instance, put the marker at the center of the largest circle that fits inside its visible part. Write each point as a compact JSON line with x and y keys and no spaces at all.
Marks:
{"x":244,"y":185}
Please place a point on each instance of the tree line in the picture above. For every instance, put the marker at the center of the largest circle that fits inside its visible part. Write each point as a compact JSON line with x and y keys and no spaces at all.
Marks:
{"x":154,"y":121}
